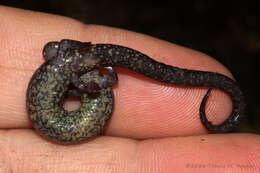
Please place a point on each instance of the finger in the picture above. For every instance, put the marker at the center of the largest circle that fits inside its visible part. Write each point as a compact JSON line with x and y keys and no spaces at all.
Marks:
{"x":208,"y":153}
{"x":143,"y":108}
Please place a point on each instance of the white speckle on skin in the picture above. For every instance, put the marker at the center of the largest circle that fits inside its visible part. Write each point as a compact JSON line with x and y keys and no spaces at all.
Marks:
{"x":110,"y":52}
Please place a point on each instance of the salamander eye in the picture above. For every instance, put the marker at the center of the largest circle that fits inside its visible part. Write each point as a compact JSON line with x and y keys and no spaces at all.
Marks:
{"x":50,"y":50}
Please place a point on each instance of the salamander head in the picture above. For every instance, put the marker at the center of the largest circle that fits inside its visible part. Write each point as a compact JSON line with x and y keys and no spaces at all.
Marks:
{"x":72,"y":54}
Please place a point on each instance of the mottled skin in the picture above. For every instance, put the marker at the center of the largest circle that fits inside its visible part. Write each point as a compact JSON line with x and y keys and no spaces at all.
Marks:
{"x":49,"y":86}
{"x":75,"y":62}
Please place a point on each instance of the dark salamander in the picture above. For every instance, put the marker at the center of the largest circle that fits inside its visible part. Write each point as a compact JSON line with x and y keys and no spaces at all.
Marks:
{"x":70,"y":62}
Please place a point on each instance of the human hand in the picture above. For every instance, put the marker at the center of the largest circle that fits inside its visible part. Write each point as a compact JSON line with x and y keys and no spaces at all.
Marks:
{"x":154,"y":128}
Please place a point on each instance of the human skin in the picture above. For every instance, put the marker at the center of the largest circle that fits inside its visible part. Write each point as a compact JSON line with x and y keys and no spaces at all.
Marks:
{"x":154,"y":128}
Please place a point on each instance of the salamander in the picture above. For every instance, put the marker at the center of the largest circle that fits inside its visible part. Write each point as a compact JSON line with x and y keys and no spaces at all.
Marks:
{"x":71,"y":62}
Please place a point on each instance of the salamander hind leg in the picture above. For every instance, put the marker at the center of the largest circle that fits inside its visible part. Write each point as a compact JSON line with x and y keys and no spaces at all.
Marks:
{"x":93,"y":81}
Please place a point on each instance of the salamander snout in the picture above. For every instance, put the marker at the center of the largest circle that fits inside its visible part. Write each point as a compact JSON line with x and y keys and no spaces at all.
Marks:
{"x":50,"y":50}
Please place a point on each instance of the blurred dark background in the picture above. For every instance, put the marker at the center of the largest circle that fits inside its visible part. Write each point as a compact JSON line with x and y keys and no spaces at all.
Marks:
{"x":226,"y":30}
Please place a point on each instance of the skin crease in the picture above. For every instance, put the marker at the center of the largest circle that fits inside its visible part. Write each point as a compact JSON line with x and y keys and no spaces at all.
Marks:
{"x":20,"y":55}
